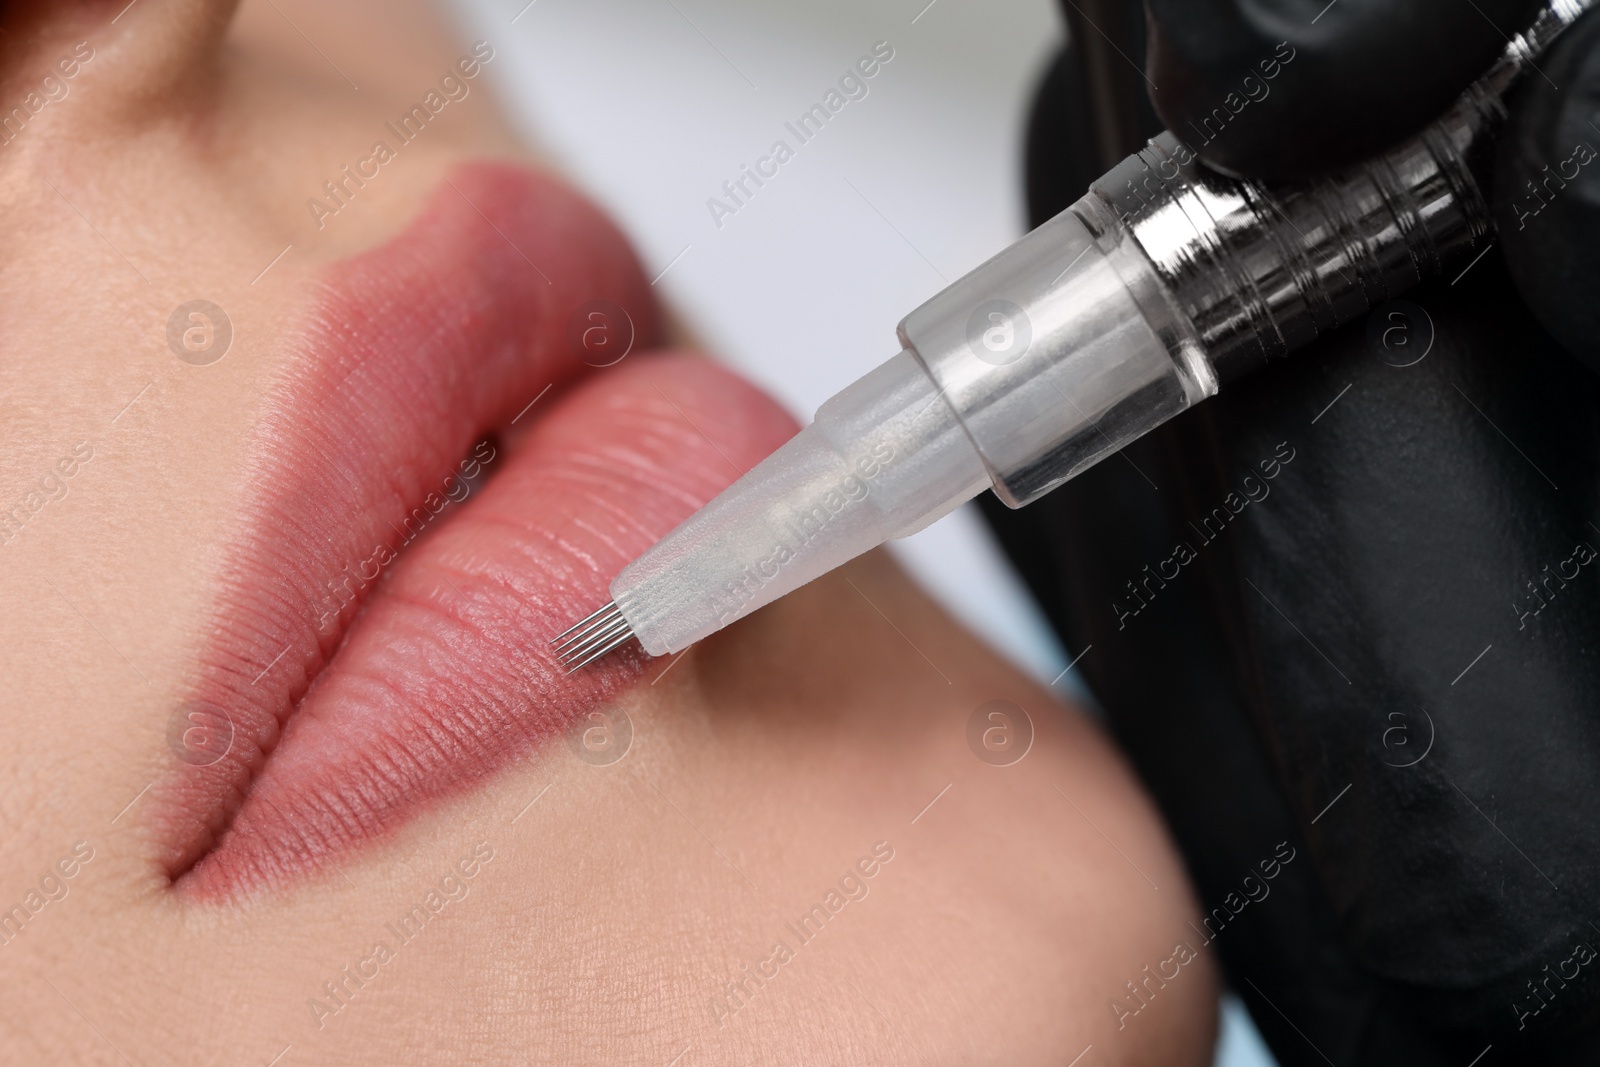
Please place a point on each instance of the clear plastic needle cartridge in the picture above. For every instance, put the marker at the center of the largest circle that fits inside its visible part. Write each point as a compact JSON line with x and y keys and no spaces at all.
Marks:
{"x":1166,"y":280}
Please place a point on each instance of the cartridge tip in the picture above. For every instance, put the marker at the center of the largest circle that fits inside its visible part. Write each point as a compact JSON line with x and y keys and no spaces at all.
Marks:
{"x":591,"y":638}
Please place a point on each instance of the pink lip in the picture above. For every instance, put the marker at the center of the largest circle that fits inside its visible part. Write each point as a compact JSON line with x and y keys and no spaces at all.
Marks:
{"x":436,"y":673}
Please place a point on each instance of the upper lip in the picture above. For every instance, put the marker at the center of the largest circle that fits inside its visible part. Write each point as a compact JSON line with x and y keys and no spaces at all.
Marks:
{"x":415,"y":353}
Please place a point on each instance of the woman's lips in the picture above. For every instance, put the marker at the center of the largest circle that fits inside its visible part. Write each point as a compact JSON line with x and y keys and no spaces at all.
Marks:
{"x":395,"y":638}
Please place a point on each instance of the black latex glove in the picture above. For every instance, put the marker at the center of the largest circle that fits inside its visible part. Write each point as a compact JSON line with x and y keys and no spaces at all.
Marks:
{"x":1365,"y":75}
{"x":1371,"y":607}
{"x":1260,"y":89}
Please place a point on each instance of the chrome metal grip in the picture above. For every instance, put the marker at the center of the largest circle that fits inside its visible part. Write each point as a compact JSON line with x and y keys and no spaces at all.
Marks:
{"x":1261,"y":270}
{"x":1169,"y":277}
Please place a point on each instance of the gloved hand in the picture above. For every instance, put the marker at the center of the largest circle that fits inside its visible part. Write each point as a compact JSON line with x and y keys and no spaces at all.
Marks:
{"x":1364,"y":76}
{"x":1387,"y":653}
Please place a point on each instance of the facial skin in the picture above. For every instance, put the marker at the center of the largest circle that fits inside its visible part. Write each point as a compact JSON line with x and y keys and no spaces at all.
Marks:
{"x":413,"y":772}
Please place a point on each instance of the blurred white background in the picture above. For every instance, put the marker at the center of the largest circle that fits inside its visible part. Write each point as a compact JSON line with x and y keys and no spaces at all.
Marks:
{"x":651,"y":105}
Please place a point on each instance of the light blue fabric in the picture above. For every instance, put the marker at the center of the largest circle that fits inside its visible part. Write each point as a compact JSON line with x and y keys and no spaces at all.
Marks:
{"x":1239,"y":1044}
